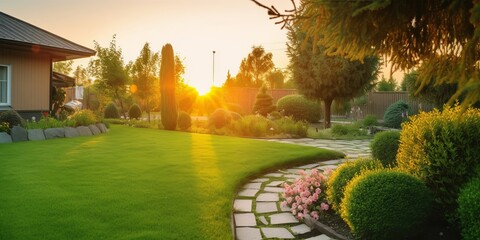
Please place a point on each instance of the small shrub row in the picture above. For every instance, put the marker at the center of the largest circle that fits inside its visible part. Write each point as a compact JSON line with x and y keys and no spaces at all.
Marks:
{"x":348,"y":130}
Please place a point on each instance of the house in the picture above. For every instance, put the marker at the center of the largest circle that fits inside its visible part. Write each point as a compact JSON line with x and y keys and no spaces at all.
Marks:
{"x":26,"y":57}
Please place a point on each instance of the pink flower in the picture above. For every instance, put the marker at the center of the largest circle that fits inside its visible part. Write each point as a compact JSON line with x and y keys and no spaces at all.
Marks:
{"x":300,"y":215}
{"x":314,"y":215}
{"x":324,"y":206}
{"x":289,"y":200}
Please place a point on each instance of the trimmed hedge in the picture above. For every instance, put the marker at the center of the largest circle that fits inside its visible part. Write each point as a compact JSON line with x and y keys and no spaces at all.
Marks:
{"x":386,"y":204}
{"x":219,"y":118}
{"x":343,"y":174}
{"x":385,"y":147}
{"x":300,"y":108}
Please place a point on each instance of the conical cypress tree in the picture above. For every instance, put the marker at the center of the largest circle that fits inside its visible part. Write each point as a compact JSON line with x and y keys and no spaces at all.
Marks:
{"x":264,"y":102}
{"x":167,"y":88}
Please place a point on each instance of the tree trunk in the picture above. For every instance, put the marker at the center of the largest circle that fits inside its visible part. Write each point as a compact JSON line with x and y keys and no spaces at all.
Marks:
{"x":328,"y":105}
{"x":121,"y":104}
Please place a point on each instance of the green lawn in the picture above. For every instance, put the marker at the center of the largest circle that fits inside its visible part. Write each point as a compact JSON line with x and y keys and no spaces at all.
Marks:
{"x":132,"y":184}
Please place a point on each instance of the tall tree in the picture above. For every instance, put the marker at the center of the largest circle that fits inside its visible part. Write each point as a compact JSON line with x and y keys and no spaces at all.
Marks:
{"x":385,"y":85}
{"x":81,"y":76}
{"x":167,"y":88}
{"x":64,"y":67}
{"x":145,"y":77}
{"x":327,"y":78}
{"x":255,"y":67}
{"x":437,"y":95}
{"x":275,"y":79}
{"x":442,"y":36}
{"x":109,"y":70}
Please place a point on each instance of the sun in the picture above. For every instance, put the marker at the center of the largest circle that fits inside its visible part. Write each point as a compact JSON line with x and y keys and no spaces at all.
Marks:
{"x":202,"y":89}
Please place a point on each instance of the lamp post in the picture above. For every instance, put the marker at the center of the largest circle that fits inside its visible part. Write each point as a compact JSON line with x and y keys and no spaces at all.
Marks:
{"x":213,"y":71}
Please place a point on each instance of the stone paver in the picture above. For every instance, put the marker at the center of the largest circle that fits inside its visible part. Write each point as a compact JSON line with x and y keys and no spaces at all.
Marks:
{"x":275,"y":183}
{"x":245,"y":220}
{"x":242,"y":205}
{"x":253,"y":185}
{"x":263,"y":220}
{"x":248,"y":233}
{"x":281,"y":233}
{"x":274,"y":220}
{"x":266,"y":207}
{"x":267,"y":197}
{"x":248,"y":192}
{"x":261,"y":180}
{"x":282,"y":218}
{"x":273,"y":189}
{"x":320,"y":237}
{"x":300,"y":229}
{"x":274,"y":175}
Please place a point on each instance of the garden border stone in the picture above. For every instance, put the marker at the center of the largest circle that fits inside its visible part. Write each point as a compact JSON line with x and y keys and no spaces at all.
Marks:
{"x":94,"y":129}
{"x":5,"y":137}
{"x":84,"y":131}
{"x":71,"y":132}
{"x":19,"y":134}
{"x":36,"y":135}
{"x":102,"y":127}
{"x":51,"y":133}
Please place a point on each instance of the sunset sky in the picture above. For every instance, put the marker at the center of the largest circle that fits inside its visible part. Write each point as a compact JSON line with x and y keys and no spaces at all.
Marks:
{"x":194,"y":28}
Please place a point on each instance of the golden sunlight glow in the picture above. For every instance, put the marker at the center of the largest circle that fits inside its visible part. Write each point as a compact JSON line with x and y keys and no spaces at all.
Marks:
{"x":203,"y":89}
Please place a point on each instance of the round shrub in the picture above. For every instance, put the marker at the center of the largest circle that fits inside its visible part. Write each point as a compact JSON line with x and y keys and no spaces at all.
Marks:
{"x":134,"y":112}
{"x":219,"y":118}
{"x":442,"y":149}
{"x":343,"y":174}
{"x":12,"y":118}
{"x":184,"y":121}
{"x":386,"y":204}
{"x":111,"y":111}
{"x":84,"y":117}
{"x":370,"y":120}
{"x":348,"y":129}
{"x":299,"y":108}
{"x":385,"y":147}
{"x":469,"y":210}
{"x":396,"y":114}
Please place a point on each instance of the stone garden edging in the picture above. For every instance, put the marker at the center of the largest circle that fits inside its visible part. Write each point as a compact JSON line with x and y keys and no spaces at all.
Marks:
{"x":20,"y":134}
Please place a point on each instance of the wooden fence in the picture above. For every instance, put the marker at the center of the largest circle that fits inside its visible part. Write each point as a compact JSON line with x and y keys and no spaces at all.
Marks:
{"x":245,"y":97}
{"x":378,"y":102}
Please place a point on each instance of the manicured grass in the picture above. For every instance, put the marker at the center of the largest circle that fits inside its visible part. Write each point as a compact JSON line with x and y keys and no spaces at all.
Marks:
{"x":132,"y":184}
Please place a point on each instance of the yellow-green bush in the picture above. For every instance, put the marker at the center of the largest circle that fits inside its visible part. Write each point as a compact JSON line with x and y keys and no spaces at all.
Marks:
{"x":343,"y":174}
{"x":252,"y":126}
{"x":385,"y":146}
{"x":442,"y":149}
{"x":386,"y":204}
{"x":84,"y":118}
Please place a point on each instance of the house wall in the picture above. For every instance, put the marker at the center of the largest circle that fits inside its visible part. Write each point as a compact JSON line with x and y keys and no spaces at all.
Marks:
{"x":30,"y":80}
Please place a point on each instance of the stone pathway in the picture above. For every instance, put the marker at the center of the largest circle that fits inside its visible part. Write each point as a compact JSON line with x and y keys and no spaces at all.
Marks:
{"x":258,"y":213}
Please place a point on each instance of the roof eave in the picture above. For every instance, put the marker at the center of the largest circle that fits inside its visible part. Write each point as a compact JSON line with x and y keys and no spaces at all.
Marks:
{"x":58,"y":54}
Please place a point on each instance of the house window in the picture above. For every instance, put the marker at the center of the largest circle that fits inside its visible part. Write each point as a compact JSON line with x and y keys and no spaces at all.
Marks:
{"x":5,"y":85}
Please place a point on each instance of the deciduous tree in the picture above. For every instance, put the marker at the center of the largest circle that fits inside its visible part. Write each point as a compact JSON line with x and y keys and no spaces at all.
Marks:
{"x":64,"y":67}
{"x":109,"y":70}
{"x":327,"y":78}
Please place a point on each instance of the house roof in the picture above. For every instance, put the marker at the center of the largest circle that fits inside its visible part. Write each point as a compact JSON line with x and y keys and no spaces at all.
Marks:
{"x":62,"y":80}
{"x":15,"y":33}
